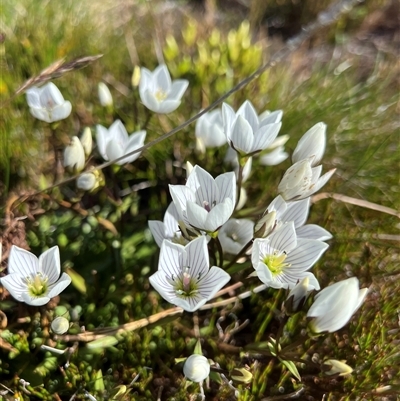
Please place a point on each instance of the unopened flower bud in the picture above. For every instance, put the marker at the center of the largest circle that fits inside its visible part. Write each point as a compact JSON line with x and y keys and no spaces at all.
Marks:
{"x":298,"y":295}
{"x":74,"y":155}
{"x":90,"y":181}
{"x":265,"y":225}
{"x":241,"y":375}
{"x":87,"y":141}
{"x":196,"y":368}
{"x":105,"y":96}
{"x":335,"y":367}
{"x":60,"y":325}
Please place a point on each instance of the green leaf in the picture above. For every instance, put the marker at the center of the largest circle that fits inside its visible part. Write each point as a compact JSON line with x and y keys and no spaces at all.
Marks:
{"x":292,"y":368}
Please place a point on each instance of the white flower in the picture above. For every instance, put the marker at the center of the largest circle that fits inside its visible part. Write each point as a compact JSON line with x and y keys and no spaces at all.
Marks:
{"x":196,"y":368}
{"x":276,"y":156}
{"x":184,"y":277}
{"x":235,"y":234}
{"x":115,"y":142}
{"x":47,"y":103}
{"x":74,"y":155}
{"x":87,"y":141}
{"x":302,"y":180}
{"x":158,"y":93}
{"x":204,"y":203}
{"x":282,"y":259}
{"x":311,"y":145}
{"x":32,"y":280}
{"x":105,"y":96}
{"x":335,"y":305}
{"x":297,"y":212}
{"x":246,"y":132}
{"x":168,"y":229}
{"x":210,"y":130}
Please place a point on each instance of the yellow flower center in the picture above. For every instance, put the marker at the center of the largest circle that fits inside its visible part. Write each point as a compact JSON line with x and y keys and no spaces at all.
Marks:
{"x":37,"y":286}
{"x":161,"y":95}
{"x":276,"y":262}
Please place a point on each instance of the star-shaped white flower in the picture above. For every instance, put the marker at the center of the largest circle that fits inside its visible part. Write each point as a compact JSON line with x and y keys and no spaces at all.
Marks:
{"x":246,"y":132}
{"x":32,"y":280}
{"x":47,"y":103}
{"x":169,"y":228}
{"x":158,"y":93}
{"x":115,"y":142}
{"x":204,"y":203}
{"x":282,"y":259}
{"x":184,"y":277}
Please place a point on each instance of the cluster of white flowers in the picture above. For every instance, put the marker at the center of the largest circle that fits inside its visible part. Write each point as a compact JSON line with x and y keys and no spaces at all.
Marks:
{"x":280,"y":247}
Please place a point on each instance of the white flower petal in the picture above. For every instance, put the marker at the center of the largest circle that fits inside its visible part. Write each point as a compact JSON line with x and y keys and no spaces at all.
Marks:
{"x":158,"y":230}
{"x":197,"y":257}
{"x":297,"y":212}
{"x":226,"y":184}
{"x":102,"y":138}
{"x":313,"y":231}
{"x":249,"y":114}
{"x":15,"y":285}
{"x":265,"y":135}
{"x":305,"y":254}
{"x":273,"y":158}
{"x":271,"y":118}
{"x":162,"y":78}
{"x":211,"y":283}
{"x":22,"y":262}
{"x":59,"y":286}
{"x":34,"y":301}
{"x":49,"y":264}
{"x":203,"y":185}
{"x":241,"y":137}
{"x":178,"y":88}
{"x":171,"y":258}
{"x":284,"y":238}
{"x":196,"y":215}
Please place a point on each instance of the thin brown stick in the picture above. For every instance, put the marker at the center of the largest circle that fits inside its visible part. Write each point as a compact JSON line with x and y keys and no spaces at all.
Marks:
{"x":356,"y":202}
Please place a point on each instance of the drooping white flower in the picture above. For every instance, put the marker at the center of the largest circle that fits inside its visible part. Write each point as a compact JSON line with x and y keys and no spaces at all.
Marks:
{"x":47,"y":103}
{"x":168,"y":229}
{"x":74,"y":155}
{"x":158,"y":93}
{"x":105,"y":96}
{"x":235,"y":234}
{"x":311,"y":145}
{"x":209,"y":129}
{"x":196,"y":368}
{"x":302,"y":180}
{"x":184,"y":277}
{"x":297,"y":212}
{"x":335,"y":305}
{"x":115,"y":142}
{"x":282,"y":259}
{"x":32,"y":280}
{"x":204,"y":203}
{"x":246,"y":132}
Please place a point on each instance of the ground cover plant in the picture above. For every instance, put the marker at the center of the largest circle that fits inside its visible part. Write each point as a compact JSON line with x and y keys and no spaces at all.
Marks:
{"x":250,"y":255}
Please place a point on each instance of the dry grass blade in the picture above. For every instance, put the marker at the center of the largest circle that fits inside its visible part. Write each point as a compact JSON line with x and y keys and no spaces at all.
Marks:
{"x":56,"y":70}
{"x":356,"y":202}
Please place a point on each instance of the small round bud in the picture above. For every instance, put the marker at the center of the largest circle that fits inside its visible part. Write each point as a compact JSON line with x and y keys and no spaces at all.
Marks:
{"x":60,"y":325}
{"x":196,"y":368}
